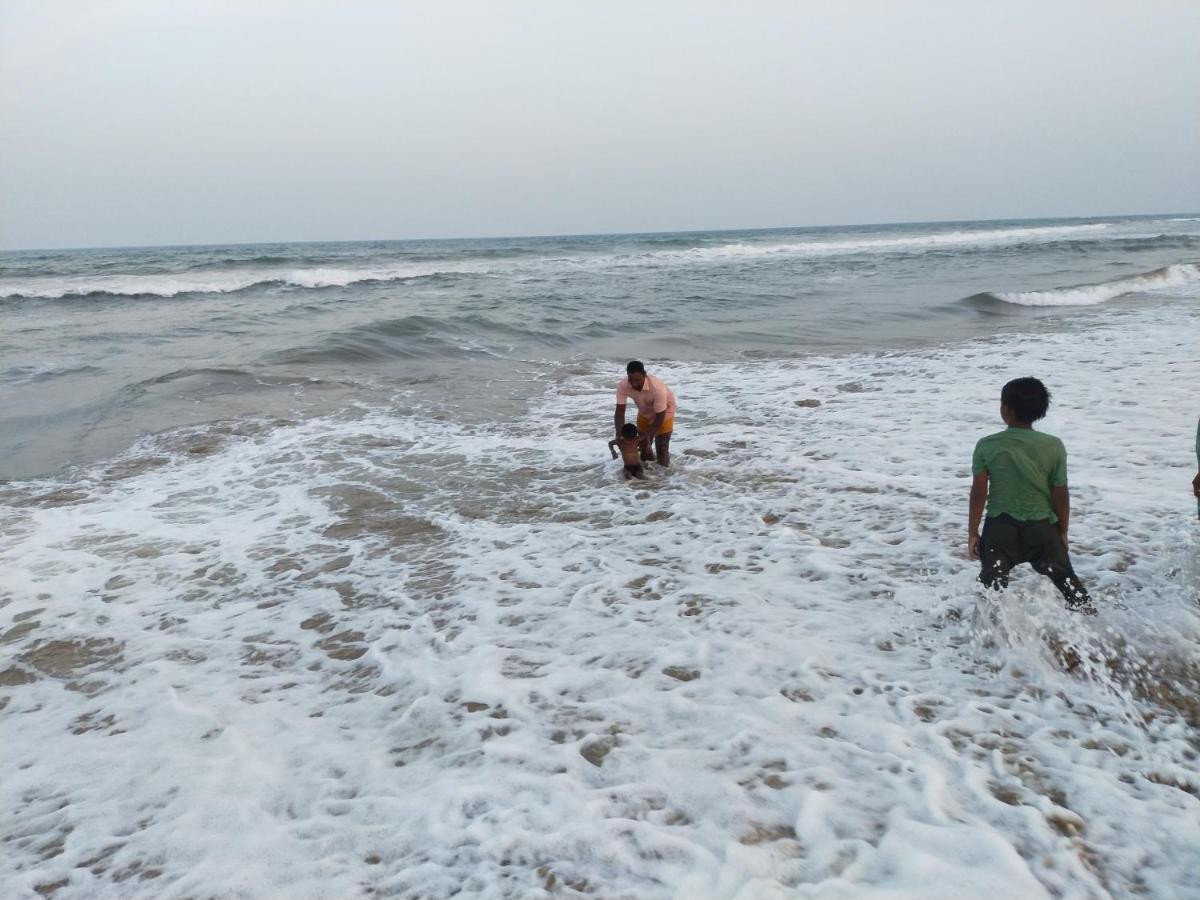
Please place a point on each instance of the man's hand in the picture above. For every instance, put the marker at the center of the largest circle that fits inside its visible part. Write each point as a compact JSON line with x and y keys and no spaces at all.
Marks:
{"x":1065,"y":539}
{"x":973,"y":545}
{"x":1196,"y":485}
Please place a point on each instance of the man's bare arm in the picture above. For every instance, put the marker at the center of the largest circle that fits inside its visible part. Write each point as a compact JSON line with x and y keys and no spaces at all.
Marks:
{"x":655,"y":424}
{"x":979,"y":494}
{"x":1060,"y":499}
{"x":619,"y":419}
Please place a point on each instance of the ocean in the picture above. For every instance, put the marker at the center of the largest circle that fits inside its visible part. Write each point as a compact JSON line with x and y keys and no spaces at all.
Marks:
{"x":318,"y":579}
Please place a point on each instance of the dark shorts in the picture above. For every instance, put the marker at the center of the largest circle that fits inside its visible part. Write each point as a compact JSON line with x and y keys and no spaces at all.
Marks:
{"x":1007,"y":542}
{"x":636,"y":471}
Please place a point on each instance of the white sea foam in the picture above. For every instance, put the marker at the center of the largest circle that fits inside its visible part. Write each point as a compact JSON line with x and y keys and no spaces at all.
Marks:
{"x":1182,"y":275}
{"x":410,"y":657}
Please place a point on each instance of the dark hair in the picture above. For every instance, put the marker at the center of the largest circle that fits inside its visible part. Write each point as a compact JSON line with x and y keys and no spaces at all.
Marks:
{"x":635,"y":366}
{"x":1027,"y":398}
{"x":629,"y":430}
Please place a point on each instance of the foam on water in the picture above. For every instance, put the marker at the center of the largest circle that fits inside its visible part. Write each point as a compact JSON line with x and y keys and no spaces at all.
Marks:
{"x":1183,"y":275}
{"x":408,"y":657}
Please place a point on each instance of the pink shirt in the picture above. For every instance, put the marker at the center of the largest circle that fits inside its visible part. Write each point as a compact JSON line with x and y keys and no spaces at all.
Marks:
{"x":652,"y":399}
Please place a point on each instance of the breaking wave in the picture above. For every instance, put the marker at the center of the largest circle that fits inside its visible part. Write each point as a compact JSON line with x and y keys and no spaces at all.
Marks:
{"x":1179,"y":275}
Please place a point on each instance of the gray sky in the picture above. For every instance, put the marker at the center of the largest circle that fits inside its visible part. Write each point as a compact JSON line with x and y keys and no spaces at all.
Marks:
{"x":160,"y":122}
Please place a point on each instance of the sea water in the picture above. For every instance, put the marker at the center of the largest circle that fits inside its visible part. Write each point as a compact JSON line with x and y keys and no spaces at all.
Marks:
{"x":317,"y":578}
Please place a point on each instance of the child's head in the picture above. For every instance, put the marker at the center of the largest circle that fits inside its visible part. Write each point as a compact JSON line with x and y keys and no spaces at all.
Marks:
{"x":1026,"y":398}
{"x":629,"y":431}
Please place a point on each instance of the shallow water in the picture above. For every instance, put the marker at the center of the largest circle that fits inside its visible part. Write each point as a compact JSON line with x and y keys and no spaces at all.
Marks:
{"x":418,"y":641}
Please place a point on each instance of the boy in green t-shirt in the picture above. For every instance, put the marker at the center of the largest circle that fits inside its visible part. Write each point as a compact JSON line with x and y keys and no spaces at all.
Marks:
{"x":1196,"y":480}
{"x":1022,"y":476}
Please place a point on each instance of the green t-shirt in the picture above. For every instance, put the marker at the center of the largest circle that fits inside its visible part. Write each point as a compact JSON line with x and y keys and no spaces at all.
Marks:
{"x":1022,"y":466}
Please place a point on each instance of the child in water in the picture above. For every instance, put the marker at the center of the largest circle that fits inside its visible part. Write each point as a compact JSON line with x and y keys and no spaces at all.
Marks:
{"x":631,"y":446}
{"x":1022,"y":476}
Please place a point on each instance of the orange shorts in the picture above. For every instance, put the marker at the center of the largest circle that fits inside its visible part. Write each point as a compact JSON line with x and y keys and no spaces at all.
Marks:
{"x":668,"y":424}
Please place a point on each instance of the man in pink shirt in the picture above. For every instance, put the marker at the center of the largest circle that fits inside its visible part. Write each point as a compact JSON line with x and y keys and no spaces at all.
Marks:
{"x":656,"y":410}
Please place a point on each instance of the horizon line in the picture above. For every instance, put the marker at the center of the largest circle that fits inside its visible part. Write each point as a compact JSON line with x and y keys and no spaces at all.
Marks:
{"x":586,"y":234}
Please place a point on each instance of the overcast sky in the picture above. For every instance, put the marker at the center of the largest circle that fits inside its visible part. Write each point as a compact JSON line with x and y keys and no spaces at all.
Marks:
{"x":159,"y":122}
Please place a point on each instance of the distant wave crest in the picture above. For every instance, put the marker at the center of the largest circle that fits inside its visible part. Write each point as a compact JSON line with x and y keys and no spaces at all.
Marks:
{"x":1180,"y":275}
{"x":237,"y":277}
{"x":892,"y":244}
{"x":227,"y":282}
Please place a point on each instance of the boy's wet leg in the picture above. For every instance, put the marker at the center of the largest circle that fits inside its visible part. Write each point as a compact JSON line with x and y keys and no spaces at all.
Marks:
{"x":993,"y":570}
{"x":1048,"y":555}
{"x":998,"y":551}
{"x":1067,"y":582}
{"x":1073,"y":592}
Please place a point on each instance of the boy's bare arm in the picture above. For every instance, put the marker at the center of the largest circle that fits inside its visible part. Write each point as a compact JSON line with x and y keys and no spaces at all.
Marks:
{"x":979,"y":493}
{"x":612,"y":447}
{"x":1060,"y":499}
